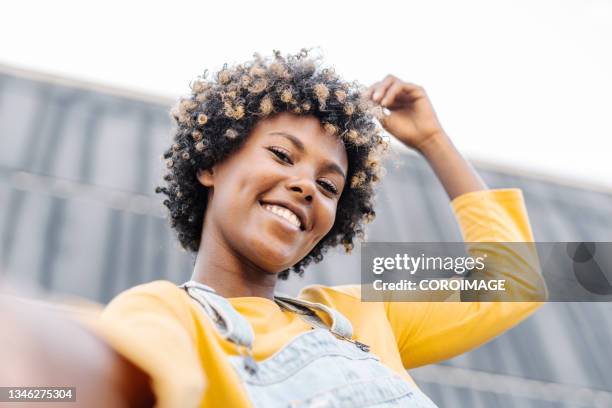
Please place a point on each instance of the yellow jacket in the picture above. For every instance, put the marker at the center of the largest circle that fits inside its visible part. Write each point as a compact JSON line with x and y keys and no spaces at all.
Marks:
{"x":160,"y":329}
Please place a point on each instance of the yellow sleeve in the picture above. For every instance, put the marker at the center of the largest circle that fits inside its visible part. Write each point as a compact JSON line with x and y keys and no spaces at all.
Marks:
{"x":428,"y":332}
{"x":150,"y":326}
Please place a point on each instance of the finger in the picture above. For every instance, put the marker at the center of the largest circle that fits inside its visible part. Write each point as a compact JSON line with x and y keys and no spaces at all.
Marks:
{"x":381,"y":89}
{"x":413,"y":89}
{"x":371,"y":89}
{"x":392,"y":93}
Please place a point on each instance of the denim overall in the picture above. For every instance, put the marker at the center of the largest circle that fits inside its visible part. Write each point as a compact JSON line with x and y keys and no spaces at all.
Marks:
{"x":321,"y":368}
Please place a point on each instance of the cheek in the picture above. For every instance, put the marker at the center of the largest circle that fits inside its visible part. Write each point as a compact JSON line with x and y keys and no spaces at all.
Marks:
{"x":246,"y":181}
{"x":326,"y":216}
{"x":258,"y":183}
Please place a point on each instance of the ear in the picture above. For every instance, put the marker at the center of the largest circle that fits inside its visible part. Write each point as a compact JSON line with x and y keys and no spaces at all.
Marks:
{"x":206,"y":177}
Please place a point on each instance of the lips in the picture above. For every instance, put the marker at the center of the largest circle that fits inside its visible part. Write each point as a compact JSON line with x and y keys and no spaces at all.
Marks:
{"x":288,"y":211}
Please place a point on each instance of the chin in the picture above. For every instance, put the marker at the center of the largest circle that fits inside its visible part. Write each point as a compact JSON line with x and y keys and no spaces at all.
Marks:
{"x":272,"y":258}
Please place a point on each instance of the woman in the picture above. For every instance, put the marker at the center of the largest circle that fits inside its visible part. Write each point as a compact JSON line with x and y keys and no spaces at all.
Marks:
{"x":274,"y":162}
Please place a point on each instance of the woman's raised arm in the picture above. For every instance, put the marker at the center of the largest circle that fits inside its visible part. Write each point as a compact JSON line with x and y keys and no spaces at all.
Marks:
{"x":428,"y":332}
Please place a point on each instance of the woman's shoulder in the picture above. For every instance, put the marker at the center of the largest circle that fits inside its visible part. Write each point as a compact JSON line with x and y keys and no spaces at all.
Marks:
{"x":345,"y":298}
{"x":154,"y":296}
{"x":341,"y":291}
{"x":158,"y":288}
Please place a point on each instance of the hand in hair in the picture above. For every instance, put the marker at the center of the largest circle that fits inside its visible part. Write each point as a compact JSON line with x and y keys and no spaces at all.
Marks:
{"x":411,"y":117}
{"x":413,"y":121}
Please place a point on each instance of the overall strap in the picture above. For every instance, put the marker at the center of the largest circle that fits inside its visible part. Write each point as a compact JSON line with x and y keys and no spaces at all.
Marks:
{"x":231,"y":325}
{"x":340,"y":325}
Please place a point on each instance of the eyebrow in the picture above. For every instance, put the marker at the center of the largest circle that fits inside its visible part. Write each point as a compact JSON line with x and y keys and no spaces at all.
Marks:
{"x":331,"y":166}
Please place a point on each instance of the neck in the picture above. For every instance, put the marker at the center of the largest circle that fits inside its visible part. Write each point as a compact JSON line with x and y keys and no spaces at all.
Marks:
{"x":229,"y":274}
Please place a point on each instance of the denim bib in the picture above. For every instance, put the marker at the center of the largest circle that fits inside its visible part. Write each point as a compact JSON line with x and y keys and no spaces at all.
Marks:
{"x":321,"y":368}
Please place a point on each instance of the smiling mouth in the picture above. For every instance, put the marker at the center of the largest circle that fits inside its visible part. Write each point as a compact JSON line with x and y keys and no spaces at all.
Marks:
{"x":283,"y":213}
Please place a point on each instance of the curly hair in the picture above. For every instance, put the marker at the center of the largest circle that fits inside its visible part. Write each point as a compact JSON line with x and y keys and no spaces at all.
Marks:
{"x":220,"y":113}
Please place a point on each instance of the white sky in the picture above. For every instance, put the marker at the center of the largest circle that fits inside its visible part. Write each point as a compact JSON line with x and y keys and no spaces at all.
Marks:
{"x":521,"y":83}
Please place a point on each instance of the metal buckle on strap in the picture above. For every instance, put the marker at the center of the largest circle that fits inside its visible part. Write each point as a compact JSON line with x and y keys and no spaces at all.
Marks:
{"x":249,"y":363}
{"x":302,"y":310}
{"x":311,"y":318}
{"x":360,"y":345}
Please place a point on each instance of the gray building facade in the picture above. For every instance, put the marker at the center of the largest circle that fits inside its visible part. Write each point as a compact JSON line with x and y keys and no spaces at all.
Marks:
{"x":78,"y":166}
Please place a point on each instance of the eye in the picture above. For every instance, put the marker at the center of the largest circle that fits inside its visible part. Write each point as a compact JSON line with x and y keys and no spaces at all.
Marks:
{"x":281,"y":153}
{"x":329,"y":186}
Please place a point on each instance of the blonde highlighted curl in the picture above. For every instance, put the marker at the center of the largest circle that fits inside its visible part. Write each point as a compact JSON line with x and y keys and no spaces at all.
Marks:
{"x":218,"y":116}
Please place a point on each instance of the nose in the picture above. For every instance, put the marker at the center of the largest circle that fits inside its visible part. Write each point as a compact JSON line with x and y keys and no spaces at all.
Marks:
{"x":304,"y":188}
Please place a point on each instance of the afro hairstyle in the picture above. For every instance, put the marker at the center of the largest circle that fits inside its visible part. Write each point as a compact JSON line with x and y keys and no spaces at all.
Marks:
{"x":219,"y":114}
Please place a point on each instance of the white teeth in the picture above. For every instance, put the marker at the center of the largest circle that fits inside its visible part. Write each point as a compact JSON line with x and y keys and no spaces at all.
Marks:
{"x":284,"y":213}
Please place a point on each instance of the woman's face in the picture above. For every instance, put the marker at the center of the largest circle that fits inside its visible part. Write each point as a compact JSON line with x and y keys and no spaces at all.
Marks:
{"x":275,"y":198}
